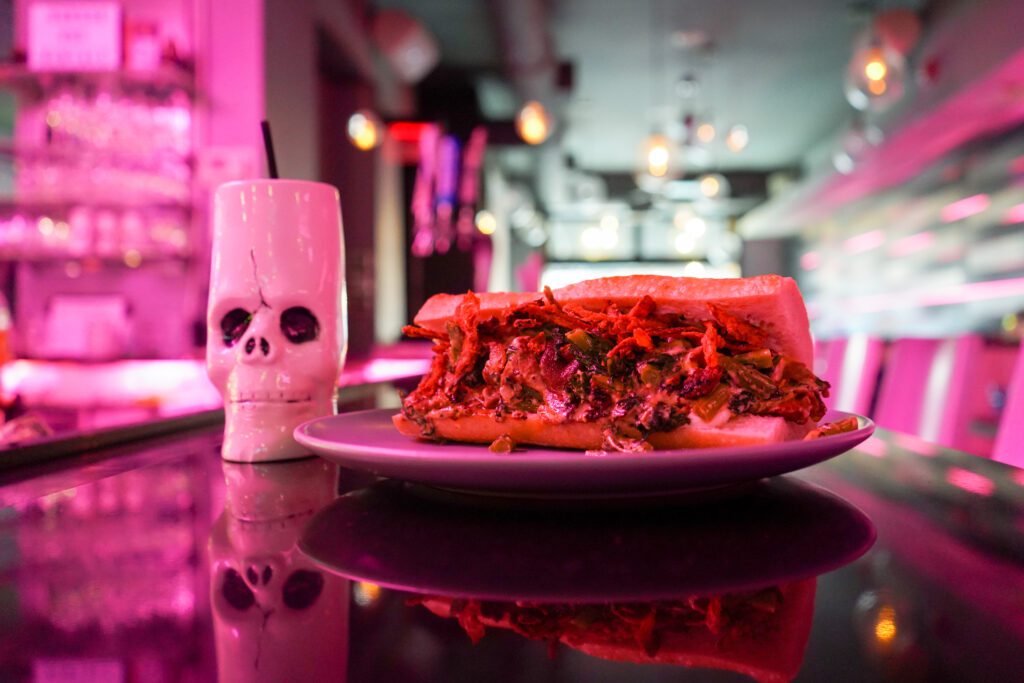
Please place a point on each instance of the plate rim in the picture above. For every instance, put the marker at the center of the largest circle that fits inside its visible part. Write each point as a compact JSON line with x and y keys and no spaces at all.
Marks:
{"x":540,"y":455}
{"x":556,"y":473}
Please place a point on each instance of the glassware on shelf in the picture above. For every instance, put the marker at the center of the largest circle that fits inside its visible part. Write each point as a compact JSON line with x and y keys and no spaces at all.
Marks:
{"x":128,"y":124}
{"x":80,"y":144}
{"x":132,"y":235}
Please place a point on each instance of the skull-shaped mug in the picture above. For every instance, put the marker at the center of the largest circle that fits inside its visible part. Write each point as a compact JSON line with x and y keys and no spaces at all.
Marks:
{"x":276,"y":328}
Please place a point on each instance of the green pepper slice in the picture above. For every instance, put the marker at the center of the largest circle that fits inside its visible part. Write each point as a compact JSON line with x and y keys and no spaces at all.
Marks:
{"x":708,"y":406}
{"x":581,"y":340}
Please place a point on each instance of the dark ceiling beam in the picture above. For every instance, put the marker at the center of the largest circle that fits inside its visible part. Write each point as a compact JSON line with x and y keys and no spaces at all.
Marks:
{"x":527,"y":49}
{"x":350,"y":33}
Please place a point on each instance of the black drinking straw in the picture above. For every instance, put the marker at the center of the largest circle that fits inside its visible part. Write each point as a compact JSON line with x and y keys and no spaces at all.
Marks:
{"x":268,"y":145}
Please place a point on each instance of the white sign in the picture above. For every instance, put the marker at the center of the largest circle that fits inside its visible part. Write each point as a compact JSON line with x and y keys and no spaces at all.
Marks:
{"x":74,"y":36}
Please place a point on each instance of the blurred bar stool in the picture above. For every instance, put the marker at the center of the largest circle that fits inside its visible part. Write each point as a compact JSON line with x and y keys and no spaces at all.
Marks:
{"x":926,"y":388}
{"x":1009,"y":446}
{"x":851,"y":366}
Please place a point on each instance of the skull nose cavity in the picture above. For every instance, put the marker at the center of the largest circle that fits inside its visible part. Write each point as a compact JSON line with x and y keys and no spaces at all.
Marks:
{"x":257,"y":575}
{"x":250,"y":346}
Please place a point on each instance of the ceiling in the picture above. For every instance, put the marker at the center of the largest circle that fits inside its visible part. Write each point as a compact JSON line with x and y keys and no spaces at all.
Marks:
{"x":775,"y":67}
{"x":463,"y":28}
{"x":779,"y":76}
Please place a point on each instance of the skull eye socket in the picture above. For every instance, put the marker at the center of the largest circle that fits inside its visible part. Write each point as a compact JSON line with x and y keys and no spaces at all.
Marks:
{"x":235,"y":592}
{"x":234,"y":324}
{"x":302,"y":589}
{"x":299,"y":325}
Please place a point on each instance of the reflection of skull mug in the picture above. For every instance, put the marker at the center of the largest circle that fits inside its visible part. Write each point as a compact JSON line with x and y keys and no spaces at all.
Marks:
{"x":276,"y":330}
{"x":277,"y":617}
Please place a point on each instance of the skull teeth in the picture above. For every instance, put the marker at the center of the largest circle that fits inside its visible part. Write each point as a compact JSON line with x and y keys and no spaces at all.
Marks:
{"x":270,"y":397}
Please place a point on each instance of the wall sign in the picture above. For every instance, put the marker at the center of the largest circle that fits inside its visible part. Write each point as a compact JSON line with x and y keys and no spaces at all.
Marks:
{"x":74,"y":36}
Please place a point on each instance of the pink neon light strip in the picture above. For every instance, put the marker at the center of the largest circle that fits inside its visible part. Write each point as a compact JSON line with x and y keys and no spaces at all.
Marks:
{"x":964,"y":208}
{"x":943,"y":296}
{"x":912,"y":244}
{"x":864,"y":242}
{"x":974,"y":291}
{"x":1015,"y":214}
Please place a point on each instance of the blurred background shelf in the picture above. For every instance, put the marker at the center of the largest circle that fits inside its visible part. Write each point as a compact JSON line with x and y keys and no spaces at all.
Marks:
{"x":38,"y":83}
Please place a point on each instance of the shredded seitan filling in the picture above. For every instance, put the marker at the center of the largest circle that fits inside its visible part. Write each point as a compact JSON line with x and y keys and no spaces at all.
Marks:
{"x":635,"y":372}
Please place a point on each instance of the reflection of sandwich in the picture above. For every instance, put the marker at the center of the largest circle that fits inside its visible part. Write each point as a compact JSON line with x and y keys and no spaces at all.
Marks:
{"x":760,"y":633}
{"x":623,"y":363}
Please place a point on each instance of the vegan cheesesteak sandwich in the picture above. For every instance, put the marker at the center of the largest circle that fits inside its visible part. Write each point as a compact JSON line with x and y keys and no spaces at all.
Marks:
{"x":620,"y":363}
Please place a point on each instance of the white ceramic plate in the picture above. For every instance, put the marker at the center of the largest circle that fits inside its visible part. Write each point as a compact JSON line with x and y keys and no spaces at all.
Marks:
{"x":368,"y":441}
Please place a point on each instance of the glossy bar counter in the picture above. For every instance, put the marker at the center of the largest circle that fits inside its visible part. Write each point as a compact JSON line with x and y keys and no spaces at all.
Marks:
{"x":155,"y":561}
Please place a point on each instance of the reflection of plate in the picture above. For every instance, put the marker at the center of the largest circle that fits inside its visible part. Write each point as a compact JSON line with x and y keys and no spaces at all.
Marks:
{"x":368,"y":441}
{"x":780,"y":530}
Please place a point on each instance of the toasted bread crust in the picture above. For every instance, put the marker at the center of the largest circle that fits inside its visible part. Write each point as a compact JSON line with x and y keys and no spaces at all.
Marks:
{"x":771,"y":302}
{"x":737,"y":431}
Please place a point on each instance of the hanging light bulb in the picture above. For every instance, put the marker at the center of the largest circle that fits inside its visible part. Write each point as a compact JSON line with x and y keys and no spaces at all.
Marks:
{"x":705,"y":133}
{"x":713,"y":185}
{"x":737,"y":138}
{"x":364,"y":130}
{"x":658,"y":161}
{"x":658,"y":156}
{"x":533,"y":123}
{"x":486,"y":223}
{"x":875,"y":69}
{"x":876,"y":75}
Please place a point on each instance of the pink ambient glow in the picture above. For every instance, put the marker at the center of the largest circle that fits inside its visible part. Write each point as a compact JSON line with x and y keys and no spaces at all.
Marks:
{"x":810,"y":260}
{"x":941,"y":296}
{"x":916,"y":444}
{"x":873,"y":447}
{"x":972,"y":482}
{"x":975,"y":291}
{"x":912,"y":244}
{"x":864,"y":242}
{"x":964,"y":208}
{"x":169,"y":387}
{"x":1015,"y":214}
{"x":383,"y":370}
